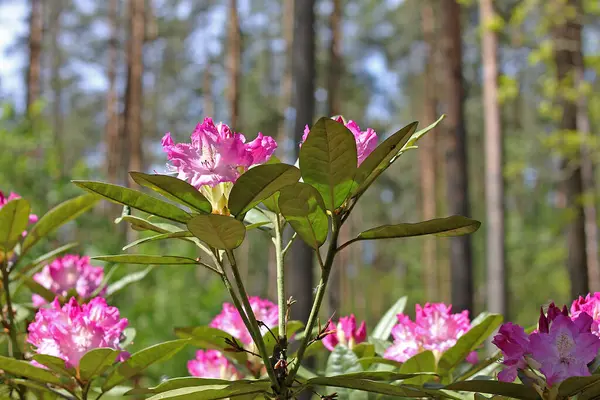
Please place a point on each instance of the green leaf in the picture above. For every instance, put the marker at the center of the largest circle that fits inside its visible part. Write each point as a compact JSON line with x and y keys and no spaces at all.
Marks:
{"x":328,"y":161}
{"x":513,"y":390}
{"x":421,"y":362}
{"x":379,"y":160}
{"x":207,"y":337}
{"x":26,"y":370}
{"x":146,"y":259}
{"x":342,"y":360}
{"x":577,"y":384}
{"x":161,"y":236}
{"x":127,"y":280}
{"x":174,"y":189}
{"x":410,"y":144}
{"x":256,"y":217}
{"x":59,"y":215}
{"x":140,"y":224}
{"x":178,"y":383}
{"x":218,"y":231}
{"x":590,"y":393}
{"x":259,"y":183}
{"x":364,"y":349}
{"x":468,"y":342}
{"x":95,"y":362}
{"x":135,"y":199}
{"x":455,"y":225}
{"x":367,"y":385}
{"x":14,"y":217}
{"x":389,"y":319}
{"x":55,"y":364}
{"x":381,"y":345}
{"x":36,"y":288}
{"x":129,"y":334}
{"x":366,"y":362}
{"x":303,"y":207}
{"x":229,"y":390}
{"x":141,"y":360}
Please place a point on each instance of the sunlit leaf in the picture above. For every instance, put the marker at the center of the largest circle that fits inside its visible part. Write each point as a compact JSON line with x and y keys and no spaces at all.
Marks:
{"x":96,"y":361}
{"x":178,"y":383}
{"x":55,"y":364}
{"x":218,"y":231}
{"x":26,"y":370}
{"x":14,"y":217}
{"x":304,"y":209}
{"x":419,"y":363}
{"x":231,"y":390}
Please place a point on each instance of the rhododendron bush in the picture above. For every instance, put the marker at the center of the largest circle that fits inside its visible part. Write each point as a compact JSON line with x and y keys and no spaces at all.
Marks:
{"x":219,"y":187}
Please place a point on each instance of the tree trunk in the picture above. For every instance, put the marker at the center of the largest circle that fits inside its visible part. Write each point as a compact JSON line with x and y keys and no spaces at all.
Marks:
{"x":113,"y":148}
{"x":234,"y":59}
{"x":135,"y":71}
{"x":427,"y":156}
{"x":494,"y":193}
{"x":55,"y":82}
{"x":300,"y":269}
{"x":209,"y":103}
{"x":36,"y":27}
{"x":456,"y":156}
{"x":286,"y":83}
{"x":567,"y":52}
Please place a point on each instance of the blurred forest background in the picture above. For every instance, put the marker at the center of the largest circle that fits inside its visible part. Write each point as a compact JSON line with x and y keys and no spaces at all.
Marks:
{"x":88,"y":89}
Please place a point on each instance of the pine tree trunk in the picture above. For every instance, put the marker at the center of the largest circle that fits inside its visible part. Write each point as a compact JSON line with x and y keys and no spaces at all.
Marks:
{"x":427,"y":156}
{"x":113,"y":148}
{"x":135,"y":71}
{"x":55,"y":82}
{"x":209,"y":103}
{"x":567,"y":52}
{"x":494,"y":193}
{"x":34,"y":67}
{"x":287,"y":83}
{"x":234,"y":59}
{"x":456,"y":156}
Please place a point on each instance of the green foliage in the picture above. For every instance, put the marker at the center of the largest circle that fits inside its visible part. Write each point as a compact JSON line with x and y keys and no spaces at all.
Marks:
{"x":14,"y":217}
{"x":456,"y":225}
{"x":383,"y":329}
{"x":218,"y":231}
{"x":210,"y":338}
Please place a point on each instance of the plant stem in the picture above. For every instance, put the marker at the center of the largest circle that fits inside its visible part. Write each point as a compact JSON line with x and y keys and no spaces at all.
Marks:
{"x":14,"y":348}
{"x":314,"y":312}
{"x":252,"y":325}
{"x":281,"y":300}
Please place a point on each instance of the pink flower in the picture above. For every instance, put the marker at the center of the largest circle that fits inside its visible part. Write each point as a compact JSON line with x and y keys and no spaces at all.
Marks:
{"x":230,"y":321}
{"x":70,"y":272}
{"x":13,"y":196}
{"x":345,"y":333}
{"x":366,"y":141}
{"x":68,"y":332}
{"x":514,"y":343}
{"x":212,"y":364}
{"x":435,"y":328}
{"x":591,"y":306}
{"x":216,"y":154}
{"x":566,"y":349}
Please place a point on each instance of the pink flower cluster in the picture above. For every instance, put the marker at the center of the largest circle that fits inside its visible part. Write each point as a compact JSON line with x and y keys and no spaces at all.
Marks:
{"x":13,"y":196}
{"x":208,"y":363}
{"x":435,"y":328}
{"x":366,"y":141}
{"x":68,"y":332}
{"x":560,"y":348}
{"x":70,"y":272}
{"x":590,"y":305}
{"x":345,"y":333}
{"x":216,"y":154}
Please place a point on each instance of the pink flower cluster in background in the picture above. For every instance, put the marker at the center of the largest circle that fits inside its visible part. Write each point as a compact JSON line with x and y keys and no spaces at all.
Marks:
{"x":590,"y":305}
{"x":560,"y":348}
{"x":366,"y":141}
{"x":68,"y":332}
{"x":435,"y":328}
{"x":345,"y":333}
{"x":212,"y":364}
{"x":216,"y":154}
{"x":13,"y":196}
{"x":70,"y":272}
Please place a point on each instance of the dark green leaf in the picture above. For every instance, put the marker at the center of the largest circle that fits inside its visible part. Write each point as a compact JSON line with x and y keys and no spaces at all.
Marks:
{"x":174,"y":189}
{"x":178,"y":383}
{"x":141,"y":360}
{"x":419,"y":363}
{"x":303,"y":207}
{"x":258,"y":183}
{"x":95,"y":362}
{"x":55,"y":364}
{"x":59,"y":215}
{"x":513,"y":390}
{"x":207,"y":337}
{"x":14,"y":217}
{"x":218,"y":231}
{"x":328,"y":161}
{"x":468,"y":342}
{"x":127,"y":280}
{"x":576,"y":384}
{"x":135,"y":199}
{"x":26,"y":370}
{"x":146,"y":259}
{"x":140,"y":224}
{"x":161,"y":236}
{"x":455,"y":225}
{"x":389,"y":319}
{"x":367,"y":385}
{"x":590,"y":393}
{"x":229,"y":390}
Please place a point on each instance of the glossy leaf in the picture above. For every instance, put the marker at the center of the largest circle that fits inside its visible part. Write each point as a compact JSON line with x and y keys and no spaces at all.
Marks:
{"x":468,"y":342}
{"x":127,"y":280}
{"x":455,"y":225}
{"x":14,"y":218}
{"x":513,"y":390}
{"x":218,"y":231}
{"x":59,"y":215}
{"x":174,"y":189}
{"x":328,"y":161}
{"x":304,"y":209}
{"x":55,"y":364}
{"x":141,"y":360}
{"x":26,"y":370}
{"x":231,"y":390}
{"x":259,"y":183}
{"x":135,"y":199}
{"x":383,"y":329}
{"x":161,"y":236}
{"x":419,"y":363}
{"x":178,"y":383}
{"x":207,"y":337}
{"x":95,"y":362}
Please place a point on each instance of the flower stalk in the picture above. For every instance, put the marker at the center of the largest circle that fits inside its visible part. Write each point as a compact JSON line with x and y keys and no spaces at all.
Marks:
{"x":281,"y":300}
